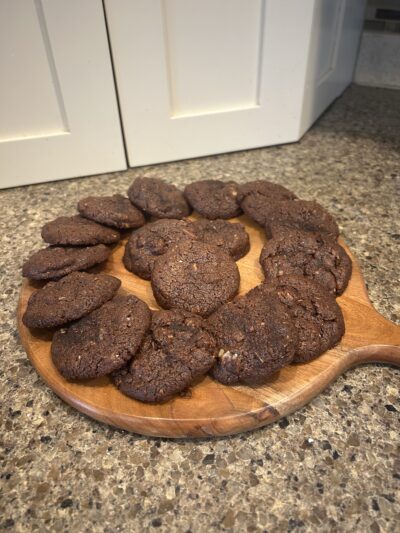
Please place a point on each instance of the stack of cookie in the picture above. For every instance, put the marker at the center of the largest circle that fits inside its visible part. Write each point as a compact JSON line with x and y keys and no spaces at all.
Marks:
{"x":191,"y":264}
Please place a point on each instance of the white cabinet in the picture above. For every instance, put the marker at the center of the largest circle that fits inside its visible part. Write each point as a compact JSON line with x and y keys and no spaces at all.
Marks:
{"x":335,"y":37}
{"x":201,"y":77}
{"x":194,"y":77}
{"x":58,"y":108}
{"x":197,"y":77}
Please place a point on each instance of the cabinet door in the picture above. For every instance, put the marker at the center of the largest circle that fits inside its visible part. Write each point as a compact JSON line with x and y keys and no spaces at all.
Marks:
{"x":337,"y":27}
{"x":58,"y":107}
{"x":198,"y":77}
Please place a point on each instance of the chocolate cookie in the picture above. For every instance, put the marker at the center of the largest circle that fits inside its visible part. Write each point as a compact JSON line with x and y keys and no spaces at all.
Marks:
{"x":255,"y":196}
{"x":265,"y":188}
{"x":55,"y":262}
{"x":103,"y":341}
{"x":312,"y":255}
{"x":317,"y":317}
{"x":158,"y":198}
{"x":116,"y":211}
{"x":231,"y":237}
{"x":255,"y":337}
{"x":153,"y":240}
{"x":213,"y":198}
{"x":176,"y":351}
{"x":77,"y":231}
{"x":299,"y":214}
{"x":70,"y":298}
{"x":194,"y":276}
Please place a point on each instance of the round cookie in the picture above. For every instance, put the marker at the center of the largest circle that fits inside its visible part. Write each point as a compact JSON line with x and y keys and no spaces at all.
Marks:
{"x":254,"y":196}
{"x":299,"y":214}
{"x":194,"y":276}
{"x":213,"y":198}
{"x":103,"y":341}
{"x":157,"y":198}
{"x":55,"y":262}
{"x":70,"y":298}
{"x":151,"y":241}
{"x":231,"y":237}
{"x":317,"y":317}
{"x":176,"y":351}
{"x":312,"y":255}
{"x":265,"y":188}
{"x":116,"y":211}
{"x":255,"y":337}
{"x":77,"y":231}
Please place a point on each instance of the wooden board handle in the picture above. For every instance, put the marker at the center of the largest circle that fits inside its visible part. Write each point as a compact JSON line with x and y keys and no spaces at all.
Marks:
{"x":375,"y":353}
{"x":372,"y":338}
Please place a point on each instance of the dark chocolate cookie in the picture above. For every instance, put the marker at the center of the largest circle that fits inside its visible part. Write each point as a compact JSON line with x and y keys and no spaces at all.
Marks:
{"x":176,"y":351}
{"x":231,"y":237}
{"x":153,"y":240}
{"x":307,"y":254}
{"x":103,"y":341}
{"x":255,"y":337}
{"x":55,"y":262}
{"x":70,"y":298}
{"x":158,"y":198}
{"x":299,"y":214}
{"x":265,"y":188}
{"x":317,"y":317}
{"x":213,"y":198}
{"x":255,"y":196}
{"x":194,"y":276}
{"x":116,"y":211}
{"x":77,"y":231}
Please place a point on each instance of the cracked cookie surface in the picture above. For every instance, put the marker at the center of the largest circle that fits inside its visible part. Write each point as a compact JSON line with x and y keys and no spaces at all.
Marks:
{"x":115,"y":211}
{"x":255,"y":337}
{"x":55,"y":262}
{"x":214,"y":198}
{"x":146,"y":244}
{"x":228,"y":236}
{"x":158,"y":198}
{"x":307,"y":254}
{"x":254,"y":196}
{"x":302,"y":215}
{"x":176,"y":351}
{"x":95,"y":345}
{"x":194,"y":276}
{"x":69,"y":298}
{"x":78,"y":231}
{"x":317,"y":317}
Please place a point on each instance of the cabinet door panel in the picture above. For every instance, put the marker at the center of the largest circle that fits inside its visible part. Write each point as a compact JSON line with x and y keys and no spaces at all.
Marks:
{"x":202,"y":77}
{"x":58,"y":107}
{"x":336,"y":33}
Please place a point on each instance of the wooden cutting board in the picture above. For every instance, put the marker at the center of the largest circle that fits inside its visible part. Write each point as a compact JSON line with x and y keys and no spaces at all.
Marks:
{"x":211,"y":408}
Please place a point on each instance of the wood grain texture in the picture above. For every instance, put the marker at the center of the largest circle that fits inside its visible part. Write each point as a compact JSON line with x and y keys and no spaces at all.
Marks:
{"x":211,"y":408}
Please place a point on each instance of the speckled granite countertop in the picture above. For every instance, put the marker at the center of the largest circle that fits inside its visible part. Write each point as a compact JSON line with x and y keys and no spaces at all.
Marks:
{"x":332,"y":466}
